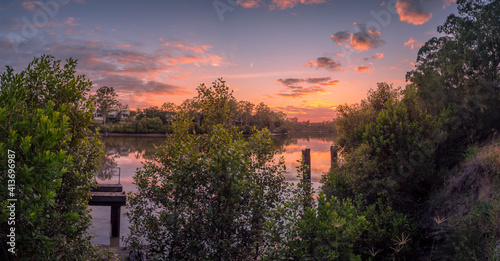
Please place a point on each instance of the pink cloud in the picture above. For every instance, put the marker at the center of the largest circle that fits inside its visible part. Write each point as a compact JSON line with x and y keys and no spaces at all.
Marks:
{"x":363,"y":40}
{"x":362,"y":68}
{"x":410,"y":11}
{"x":410,"y":43}
{"x":378,"y":56}
{"x":447,"y":3}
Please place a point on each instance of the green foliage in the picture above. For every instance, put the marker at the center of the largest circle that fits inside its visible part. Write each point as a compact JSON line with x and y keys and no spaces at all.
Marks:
{"x":207,"y":196}
{"x":215,"y":104}
{"x":44,"y":114}
{"x":462,"y":69}
{"x":386,"y":165}
{"x":326,"y":232}
{"x":166,"y":113}
{"x":388,"y":151}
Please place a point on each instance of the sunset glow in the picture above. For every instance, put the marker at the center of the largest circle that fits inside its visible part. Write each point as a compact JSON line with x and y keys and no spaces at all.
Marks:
{"x":302,"y":57}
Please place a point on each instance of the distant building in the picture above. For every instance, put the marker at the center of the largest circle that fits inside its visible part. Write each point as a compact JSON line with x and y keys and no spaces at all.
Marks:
{"x":125,"y":113}
{"x":97,"y":117}
{"x":125,"y":116}
{"x":112,"y":114}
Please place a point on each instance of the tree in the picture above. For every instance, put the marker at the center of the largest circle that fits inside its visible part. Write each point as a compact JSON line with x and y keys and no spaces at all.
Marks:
{"x":106,"y":101}
{"x":246,"y":109}
{"x":215,"y":103}
{"x":461,"y":70}
{"x":170,"y":110}
{"x":44,"y":119}
{"x":207,"y":197}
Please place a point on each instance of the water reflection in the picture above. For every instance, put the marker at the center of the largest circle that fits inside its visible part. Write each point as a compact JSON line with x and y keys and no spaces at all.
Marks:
{"x":128,"y":153}
{"x":107,"y":168}
{"x":139,"y":147}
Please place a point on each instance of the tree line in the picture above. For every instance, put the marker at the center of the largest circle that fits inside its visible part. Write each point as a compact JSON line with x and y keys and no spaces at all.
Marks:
{"x":243,"y":114}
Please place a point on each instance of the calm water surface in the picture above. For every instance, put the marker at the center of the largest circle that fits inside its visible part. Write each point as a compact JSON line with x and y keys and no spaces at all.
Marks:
{"x":127,"y":153}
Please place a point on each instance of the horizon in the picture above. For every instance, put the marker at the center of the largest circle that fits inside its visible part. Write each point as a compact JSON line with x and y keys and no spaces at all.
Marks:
{"x":301,"y":57}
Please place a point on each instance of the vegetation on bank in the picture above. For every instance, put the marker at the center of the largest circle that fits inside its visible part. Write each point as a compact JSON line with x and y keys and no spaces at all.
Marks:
{"x":244,"y":115}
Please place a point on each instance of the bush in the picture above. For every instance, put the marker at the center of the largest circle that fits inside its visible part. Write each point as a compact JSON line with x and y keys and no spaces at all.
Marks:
{"x":44,"y":115}
{"x":207,"y":196}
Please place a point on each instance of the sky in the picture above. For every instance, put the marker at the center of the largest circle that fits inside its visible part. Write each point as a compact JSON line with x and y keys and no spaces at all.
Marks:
{"x":301,"y":57}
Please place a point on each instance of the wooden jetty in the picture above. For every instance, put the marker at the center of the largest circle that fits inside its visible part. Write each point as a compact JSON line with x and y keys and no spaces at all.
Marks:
{"x":110,"y":195}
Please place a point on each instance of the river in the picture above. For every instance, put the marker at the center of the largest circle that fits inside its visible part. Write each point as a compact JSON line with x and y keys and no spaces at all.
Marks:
{"x":127,"y":153}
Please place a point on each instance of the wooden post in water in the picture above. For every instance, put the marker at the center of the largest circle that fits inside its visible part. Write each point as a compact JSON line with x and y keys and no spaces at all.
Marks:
{"x":307,"y":179}
{"x":333,"y":154}
{"x":115,"y":220}
{"x":307,"y":163}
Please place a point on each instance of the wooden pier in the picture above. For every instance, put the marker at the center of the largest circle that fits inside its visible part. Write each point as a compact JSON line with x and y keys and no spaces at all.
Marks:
{"x":110,"y":195}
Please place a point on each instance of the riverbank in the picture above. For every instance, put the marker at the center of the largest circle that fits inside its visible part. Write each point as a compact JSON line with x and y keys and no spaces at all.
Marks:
{"x":118,"y":134}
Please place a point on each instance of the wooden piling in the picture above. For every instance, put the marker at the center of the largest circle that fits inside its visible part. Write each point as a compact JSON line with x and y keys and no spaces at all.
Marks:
{"x":115,"y":220}
{"x":307,"y":163}
{"x":333,"y":154}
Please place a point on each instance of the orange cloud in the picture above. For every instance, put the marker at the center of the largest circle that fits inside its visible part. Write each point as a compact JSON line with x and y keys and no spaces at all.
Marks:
{"x":374,"y":57}
{"x":213,"y":60}
{"x":331,"y":83}
{"x":378,"y":56}
{"x":295,"y":91}
{"x":249,"y":3}
{"x":410,"y":43}
{"x":363,"y":40}
{"x":411,"y":12}
{"x":325,"y":62}
{"x":362,"y":68}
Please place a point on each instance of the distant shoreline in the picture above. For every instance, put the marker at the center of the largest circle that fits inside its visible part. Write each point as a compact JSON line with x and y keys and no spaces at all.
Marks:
{"x":131,"y":134}
{"x":118,"y":134}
